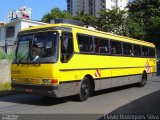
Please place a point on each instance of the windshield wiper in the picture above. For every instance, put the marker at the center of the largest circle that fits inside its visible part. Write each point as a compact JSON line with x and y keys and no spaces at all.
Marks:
{"x":35,"y":60}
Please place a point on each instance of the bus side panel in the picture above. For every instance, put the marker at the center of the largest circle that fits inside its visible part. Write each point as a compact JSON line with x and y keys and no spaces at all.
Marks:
{"x":70,"y":80}
{"x":131,"y":75}
{"x":106,"y":78}
{"x":117,"y":77}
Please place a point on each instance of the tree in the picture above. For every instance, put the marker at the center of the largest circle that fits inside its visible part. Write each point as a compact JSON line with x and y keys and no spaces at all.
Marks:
{"x":146,"y":13}
{"x":133,"y":29}
{"x":143,"y":10}
{"x":153,"y":31}
{"x":85,"y":18}
{"x":46,"y":18}
{"x":56,"y":13}
{"x":112,"y":21}
{"x":141,"y":21}
{"x":66,"y":15}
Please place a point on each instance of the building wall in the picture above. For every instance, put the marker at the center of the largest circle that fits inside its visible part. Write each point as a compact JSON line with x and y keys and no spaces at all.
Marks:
{"x":2,"y":36}
{"x":79,"y":6}
{"x":99,"y":6}
{"x":93,"y":7}
{"x":25,"y":24}
{"x":75,"y":6}
{"x":19,"y":25}
{"x":122,"y":4}
{"x":85,"y":6}
{"x":5,"y":76}
{"x":110,"y":4}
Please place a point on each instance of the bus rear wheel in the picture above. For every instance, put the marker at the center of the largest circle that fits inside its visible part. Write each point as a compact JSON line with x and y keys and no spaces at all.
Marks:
{"x":142,"y":83}
{"x":85,"y":89}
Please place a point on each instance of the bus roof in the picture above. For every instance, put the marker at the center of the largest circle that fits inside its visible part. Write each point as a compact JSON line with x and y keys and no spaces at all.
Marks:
{"x":111,"y":35}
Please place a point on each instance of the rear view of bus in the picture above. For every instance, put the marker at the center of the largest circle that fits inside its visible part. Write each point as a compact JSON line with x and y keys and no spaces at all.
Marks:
{"x":34,"y":69}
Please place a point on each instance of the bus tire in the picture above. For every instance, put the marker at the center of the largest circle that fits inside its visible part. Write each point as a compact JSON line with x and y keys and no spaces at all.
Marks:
{"x":85,"y":90}
{"x":143,"y":82}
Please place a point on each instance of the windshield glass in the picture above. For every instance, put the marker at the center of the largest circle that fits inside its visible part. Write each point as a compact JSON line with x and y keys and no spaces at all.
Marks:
{"x":39,"y":48}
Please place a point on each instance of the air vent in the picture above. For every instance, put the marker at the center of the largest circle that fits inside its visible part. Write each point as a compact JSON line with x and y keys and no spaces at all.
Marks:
{"x":73,"y":22}
{"x":89,"y":27}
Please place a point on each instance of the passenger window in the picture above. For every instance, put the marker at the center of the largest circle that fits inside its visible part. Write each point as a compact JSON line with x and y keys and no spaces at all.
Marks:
{"x":137,"y":50}
{"x":116,"y":47}
{"x":127,"y":49}
{"x":151,"y":52}
{"x":145,"y":51}
{"x":101,"y":45}
{"x":85,"y":43}
{"x":66,"y":46}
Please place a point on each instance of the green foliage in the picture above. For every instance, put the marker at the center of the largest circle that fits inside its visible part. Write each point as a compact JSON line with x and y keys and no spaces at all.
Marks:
{"x":85,"y":18}
{"x":9,"y":56}
{"x":112,"y":21}
{"x":56,"y":13}
{"x":153,"y":31}
{"x":133,"y":29}
{"x":146,"y":13}
{"x":143,"y":10}
{"x":141,"y":21}
{"x":46,"y":18}
{"x":2,"y":54}
{"x":5,"y":87}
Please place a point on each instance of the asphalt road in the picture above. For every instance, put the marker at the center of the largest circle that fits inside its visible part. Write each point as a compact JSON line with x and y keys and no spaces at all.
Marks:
{"x":122,"y":100}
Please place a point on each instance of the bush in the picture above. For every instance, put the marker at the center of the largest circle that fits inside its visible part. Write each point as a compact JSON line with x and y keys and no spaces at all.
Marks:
{"x":2,"y":54}
{"x":9,"y":56}
{"x":5,"y":87}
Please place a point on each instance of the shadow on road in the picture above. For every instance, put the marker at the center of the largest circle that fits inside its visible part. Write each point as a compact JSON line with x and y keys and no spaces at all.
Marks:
{"x":110,"y":90}
{"x":32,"y":100}
{"x":149,"y":104}
{"x":41,"y":101}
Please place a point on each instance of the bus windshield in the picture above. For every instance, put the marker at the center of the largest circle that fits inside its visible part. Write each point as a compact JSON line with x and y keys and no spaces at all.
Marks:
{"x":37,"y":48}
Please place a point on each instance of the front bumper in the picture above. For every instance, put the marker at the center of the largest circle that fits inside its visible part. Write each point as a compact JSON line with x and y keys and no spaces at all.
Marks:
{"x":51,"y":91}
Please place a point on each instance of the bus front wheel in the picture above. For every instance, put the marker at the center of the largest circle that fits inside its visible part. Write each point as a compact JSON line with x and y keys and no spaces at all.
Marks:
{"x":85,"y":89}
{"x":143,"y":80}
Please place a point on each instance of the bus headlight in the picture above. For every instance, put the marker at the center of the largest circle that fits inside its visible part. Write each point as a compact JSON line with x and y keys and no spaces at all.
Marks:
{"x":14,"y":80}
{"x":50,"y":81}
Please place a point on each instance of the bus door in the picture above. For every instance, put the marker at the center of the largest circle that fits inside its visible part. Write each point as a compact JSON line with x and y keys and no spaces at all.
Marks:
{"x":67,"y":73}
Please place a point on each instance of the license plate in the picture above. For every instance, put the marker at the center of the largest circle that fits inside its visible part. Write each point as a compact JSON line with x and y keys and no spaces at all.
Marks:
{"x":28,"y":90}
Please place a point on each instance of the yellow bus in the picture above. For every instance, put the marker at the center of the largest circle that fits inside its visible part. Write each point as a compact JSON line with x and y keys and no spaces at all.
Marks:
{"x":64,"y":59}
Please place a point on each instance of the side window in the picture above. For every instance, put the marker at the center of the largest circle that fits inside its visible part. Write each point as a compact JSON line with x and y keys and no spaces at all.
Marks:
{"x":101,"y":45}
{"x":145,"y":51}
{"x":116,"y":47}
{"x":127,"y":49}
{"x":151,"y":52}
{"x":66,"y":46}
{"x":85,"y":43}
{"x":137,"y":50}
{"x":10,"y":31}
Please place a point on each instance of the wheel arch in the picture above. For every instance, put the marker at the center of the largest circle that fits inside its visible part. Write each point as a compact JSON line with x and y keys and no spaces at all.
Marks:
{"x":91,"y":81}
{"x":144,"y":73}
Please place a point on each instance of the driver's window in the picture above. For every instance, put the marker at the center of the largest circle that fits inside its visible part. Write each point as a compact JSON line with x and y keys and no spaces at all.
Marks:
{"x":66,"y":47}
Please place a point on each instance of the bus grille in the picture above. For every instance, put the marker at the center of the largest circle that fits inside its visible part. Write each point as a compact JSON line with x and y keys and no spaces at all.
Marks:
{"x":28,"y":81}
